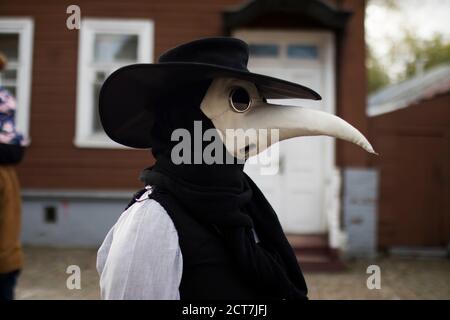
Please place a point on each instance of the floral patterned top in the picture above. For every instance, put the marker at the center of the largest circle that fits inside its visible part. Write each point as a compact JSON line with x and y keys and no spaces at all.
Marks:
{"x":8,"y":133}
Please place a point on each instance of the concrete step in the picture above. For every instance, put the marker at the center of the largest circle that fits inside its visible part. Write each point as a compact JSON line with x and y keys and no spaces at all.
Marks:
{"x":314,"y":254}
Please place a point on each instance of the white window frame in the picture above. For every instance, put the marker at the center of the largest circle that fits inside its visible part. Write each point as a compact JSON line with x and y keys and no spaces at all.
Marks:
{"x":85,"y":137}
{"x":25,"y":28}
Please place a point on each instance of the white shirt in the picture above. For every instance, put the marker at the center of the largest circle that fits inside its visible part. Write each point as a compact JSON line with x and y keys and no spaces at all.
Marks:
{"x":140,"y":257}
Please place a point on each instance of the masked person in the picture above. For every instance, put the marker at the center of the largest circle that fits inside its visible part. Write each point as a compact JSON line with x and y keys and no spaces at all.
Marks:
{"x":202,"y":229}
{"x":11,"y":153}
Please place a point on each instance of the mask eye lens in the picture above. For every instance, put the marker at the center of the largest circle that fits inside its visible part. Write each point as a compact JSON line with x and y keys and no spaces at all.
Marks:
{"x":240,"y":100}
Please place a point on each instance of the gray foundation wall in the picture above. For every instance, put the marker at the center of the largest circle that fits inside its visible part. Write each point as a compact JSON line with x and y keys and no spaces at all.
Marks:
{"x":70,"y":219}
{"x":360,"y":211}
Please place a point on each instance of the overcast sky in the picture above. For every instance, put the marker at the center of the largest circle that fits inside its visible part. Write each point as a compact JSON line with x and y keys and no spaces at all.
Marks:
{"x":423,"y":17}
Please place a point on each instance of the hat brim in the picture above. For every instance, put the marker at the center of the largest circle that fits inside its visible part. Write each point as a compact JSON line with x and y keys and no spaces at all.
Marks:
{"x":126,"y":97}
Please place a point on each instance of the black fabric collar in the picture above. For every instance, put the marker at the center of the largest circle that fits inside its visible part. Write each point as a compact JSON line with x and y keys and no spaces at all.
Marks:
{"x":201,"y":200}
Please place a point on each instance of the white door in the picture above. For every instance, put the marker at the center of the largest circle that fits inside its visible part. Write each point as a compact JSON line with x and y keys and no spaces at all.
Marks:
{"x":297,"y":191}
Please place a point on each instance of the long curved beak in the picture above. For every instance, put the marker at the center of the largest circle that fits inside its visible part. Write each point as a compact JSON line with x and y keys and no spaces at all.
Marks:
{"x":293,"y":121}
{"x":288,"y":121}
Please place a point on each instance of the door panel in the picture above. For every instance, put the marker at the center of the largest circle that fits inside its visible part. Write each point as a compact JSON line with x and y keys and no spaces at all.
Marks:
{"x":297,"y":191}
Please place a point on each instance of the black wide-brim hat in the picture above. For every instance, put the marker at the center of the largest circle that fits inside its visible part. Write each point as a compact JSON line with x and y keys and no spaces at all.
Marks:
{"x":128,"y":97}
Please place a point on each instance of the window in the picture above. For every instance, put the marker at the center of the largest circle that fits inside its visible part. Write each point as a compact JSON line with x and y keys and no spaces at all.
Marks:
{"x":264,"y":50}
{"x":16,"y":42}
{"x":302,"y":51}
{"x":104,"y":46}
{"x":283,"y":51}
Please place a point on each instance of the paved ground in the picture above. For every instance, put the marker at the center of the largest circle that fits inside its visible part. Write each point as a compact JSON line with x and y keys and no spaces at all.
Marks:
{"x":44,"y":277}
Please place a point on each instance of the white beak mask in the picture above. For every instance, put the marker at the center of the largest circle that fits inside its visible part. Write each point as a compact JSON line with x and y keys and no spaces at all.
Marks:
{"x":237,"y":105}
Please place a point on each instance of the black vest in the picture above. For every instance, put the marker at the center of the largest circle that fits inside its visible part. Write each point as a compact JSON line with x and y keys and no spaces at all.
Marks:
{"x":208,"y":269}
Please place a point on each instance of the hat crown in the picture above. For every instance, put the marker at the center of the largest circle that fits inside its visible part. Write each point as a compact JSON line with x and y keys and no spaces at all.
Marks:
{"x":221,"y":51}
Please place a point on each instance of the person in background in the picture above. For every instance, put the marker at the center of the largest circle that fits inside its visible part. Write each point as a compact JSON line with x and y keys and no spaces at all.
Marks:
{"x":11,"y":153}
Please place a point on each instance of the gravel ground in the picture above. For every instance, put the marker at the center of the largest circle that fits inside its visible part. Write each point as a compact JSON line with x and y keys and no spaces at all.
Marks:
{"x":44,"y":277}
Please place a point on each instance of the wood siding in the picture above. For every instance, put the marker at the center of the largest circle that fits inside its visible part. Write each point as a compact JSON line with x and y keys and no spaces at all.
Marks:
{"x":352,"y":84}
{"x":414,"y":164}
{"x":53,"y":161}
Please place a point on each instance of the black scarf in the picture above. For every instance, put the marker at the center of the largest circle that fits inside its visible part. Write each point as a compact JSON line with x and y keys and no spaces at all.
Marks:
{"x":234,"y":205}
